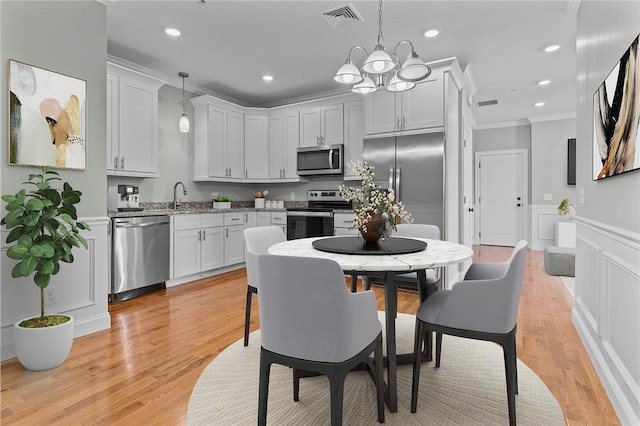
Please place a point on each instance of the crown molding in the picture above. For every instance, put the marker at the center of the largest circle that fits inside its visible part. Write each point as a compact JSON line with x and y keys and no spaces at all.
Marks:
{"x":498,"y":125}
{"x":541,"y":118}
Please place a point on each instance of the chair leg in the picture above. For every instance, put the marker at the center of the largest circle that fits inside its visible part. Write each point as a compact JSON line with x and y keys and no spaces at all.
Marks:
{"x":367,"y":283}
{"x":263,"y":392}
{"x":415,"y":381}
{"x":515,"y":365}
{"x":336,"y":389}
{"x":379,"y":361}
{"x":438,"y":348}
{"x":354,"y":283}
{"x":296,"y":385}
{"x":509,"y":373}
{"x":247,"y":317}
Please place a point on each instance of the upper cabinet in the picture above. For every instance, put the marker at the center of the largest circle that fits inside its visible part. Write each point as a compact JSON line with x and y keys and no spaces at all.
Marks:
{"x":218,"y":141}
{"x":322,"y":125}
{"x":284,"y":139}
{"x":353,"y":135}
{"x":132,"y":123}
{"x":419,"y":108}
{"x":256,"y":146}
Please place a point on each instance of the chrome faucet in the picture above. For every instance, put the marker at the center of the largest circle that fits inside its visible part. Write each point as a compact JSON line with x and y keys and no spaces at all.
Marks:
{"x":176,"y":201}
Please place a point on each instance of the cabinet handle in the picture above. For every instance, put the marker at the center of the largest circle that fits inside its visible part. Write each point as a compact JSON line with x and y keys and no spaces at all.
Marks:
{"x":321,"y":140}
{"x":122,"y":163}
{"x":204,"y":235}
{"x":227,"y":232}
{"x":199,"y":235}
{"x":403,"y":120}
{"x":246,"y":173}
{"x":246,"y":217}
{"x":235,"y":218}
{"x":317,"y":140}
{"x":398,"y":124}
{"x":115,"y":162}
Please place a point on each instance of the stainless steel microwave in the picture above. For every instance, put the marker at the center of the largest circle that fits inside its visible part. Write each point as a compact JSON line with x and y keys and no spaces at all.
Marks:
{"x":320,"y":160}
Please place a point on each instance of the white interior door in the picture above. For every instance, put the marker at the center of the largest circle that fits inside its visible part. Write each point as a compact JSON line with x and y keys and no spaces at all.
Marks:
{"x":502,"y":177}
{"x":467,"y":179}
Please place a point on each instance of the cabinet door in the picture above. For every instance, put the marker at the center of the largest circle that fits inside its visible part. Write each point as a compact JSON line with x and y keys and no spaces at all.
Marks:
{"x":250,"y":220}
{"x":256,"y":146}
{"x":212,"y":254}
{"x":264,"y":219}
{"x":235,"y":144}
{"x":291,"y":143}
{"x":353,"y":134}
{"x":423,"y":106}
{"x":332,"y":124}
{"x":309,"y":127}
{"x":186,"y":252}
{"x":112,"y":122}
{"x":380,"y":112}
{"x":233,"y":245}
{"x":276,"y":145}
{"x":217,"y":135}
{"x":138,"y":127}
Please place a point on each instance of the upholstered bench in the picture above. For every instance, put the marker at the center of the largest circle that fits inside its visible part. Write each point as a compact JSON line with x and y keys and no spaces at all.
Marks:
{"x":560,"y":260}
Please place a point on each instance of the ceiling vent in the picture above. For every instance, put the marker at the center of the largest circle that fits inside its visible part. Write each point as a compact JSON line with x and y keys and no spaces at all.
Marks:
{"x":344,"y":14}
{"x":487,"y":103}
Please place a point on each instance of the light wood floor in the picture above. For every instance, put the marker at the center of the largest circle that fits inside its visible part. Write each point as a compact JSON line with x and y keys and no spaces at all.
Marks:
{"x":143,"y":369}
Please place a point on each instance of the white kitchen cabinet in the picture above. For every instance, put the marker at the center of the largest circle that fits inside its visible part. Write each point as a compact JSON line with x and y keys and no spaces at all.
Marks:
{"x":256,"y":146}
{"x":233,"y":238}
{"x":353,"y":135}
{"x":419,"y":108}
{"x":218,"y":142}
{"x":263,"y":218}
{"x":198,"y":243}
{"x":132,"y":123}
{"x":284,"y":137}
{"x":323,"y":125}
{"x":279,"y":219}
{"x":250,"y":220}
{"x":344,"y":224}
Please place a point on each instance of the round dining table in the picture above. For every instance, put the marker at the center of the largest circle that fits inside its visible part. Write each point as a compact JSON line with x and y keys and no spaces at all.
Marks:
{"x":436,"y":254}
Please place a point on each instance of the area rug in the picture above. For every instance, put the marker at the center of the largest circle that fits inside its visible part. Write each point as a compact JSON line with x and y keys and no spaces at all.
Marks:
{"x":468,"y":388}
{"x":570,"y":285}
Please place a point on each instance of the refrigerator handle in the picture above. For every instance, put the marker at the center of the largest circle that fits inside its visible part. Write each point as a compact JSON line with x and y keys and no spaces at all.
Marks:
{"x":398,"y":184}
{"x":391,"y":177}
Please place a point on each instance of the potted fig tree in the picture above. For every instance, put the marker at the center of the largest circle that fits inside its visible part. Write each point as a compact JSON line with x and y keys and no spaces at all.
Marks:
{"x":43,"y":229}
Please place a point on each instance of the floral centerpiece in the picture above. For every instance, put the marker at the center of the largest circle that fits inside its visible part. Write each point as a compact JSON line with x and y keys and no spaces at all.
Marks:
{"x":376,"y":209}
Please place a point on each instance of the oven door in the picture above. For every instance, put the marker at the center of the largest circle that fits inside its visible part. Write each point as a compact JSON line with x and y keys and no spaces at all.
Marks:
{"x":305,"y":224}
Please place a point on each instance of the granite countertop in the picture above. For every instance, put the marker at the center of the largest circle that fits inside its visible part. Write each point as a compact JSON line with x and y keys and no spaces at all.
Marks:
{"x":194,"y":207}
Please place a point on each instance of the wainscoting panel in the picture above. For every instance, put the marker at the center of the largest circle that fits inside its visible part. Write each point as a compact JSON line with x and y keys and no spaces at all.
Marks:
{"x":543,"y":224}
{"x":81,"y":288}
{"x":607,"y":310}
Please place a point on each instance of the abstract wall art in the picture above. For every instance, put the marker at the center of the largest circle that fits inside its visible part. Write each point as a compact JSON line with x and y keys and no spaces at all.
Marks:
{"x":616,"y":118}
{"x":47,"y":118}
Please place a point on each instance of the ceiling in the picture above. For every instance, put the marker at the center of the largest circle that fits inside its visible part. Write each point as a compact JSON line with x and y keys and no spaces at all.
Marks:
{"x":227,"y":46}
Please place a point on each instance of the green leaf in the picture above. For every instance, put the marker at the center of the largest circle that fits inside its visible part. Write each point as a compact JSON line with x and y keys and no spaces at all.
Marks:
{"x":82,"y":241}
{"x":43,"y":185}
{"x":17,"y":252}
{"x":28,"y":265}
{"x":25,"y":240}
{"x":70,"y":197}
{"x":12,"y":216}
{"x":9,"y":198}
{"x":36,"y":251}
{"x":53,"y":196}
{"x":16,"y":272}
{"x":14,"y":235}
{"x":32,"y":219}
{"x":47,"y":249}
{"x":70,"y":210}
{"x":46,"y":266}
{"x":41,"y":279}
{"x":67,"y":218}
{"x":14,"y":206}
{"x":34,"y":204}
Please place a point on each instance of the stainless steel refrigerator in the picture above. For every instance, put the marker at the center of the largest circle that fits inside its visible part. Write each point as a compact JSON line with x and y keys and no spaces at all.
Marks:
{"x":414,"y":167}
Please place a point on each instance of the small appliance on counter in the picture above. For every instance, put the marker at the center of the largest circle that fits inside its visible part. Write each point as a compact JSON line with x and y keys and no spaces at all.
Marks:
{"x":123,"y":198}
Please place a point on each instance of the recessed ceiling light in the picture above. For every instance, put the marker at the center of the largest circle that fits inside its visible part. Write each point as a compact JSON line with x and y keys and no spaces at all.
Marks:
{"x":544,"y":82}
{"x":267,"y":77}
{"x":173,"y":32}
{"x":538,"y":104}
{"x":431,"y":33}
{"x":552,"y":48}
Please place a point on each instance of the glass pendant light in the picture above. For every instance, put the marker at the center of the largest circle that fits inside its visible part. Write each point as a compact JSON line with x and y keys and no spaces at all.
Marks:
{"x":184,"y":120}
{"x":398,"y":85}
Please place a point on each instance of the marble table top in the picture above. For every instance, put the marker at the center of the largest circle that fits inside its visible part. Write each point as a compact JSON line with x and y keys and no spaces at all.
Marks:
{"x":438,"y":253}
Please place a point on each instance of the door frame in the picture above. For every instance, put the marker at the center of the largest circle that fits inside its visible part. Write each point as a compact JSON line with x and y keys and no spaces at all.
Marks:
{"x":525,"y":190}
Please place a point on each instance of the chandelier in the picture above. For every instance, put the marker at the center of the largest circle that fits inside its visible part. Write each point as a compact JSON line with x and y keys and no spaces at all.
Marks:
{"x":381,"y":70}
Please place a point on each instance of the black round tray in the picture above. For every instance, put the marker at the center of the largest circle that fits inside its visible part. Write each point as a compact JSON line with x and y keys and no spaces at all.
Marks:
{"x":357,"y":245}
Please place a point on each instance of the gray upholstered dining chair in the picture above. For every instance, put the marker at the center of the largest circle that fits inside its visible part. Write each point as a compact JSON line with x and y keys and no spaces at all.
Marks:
{"x":410,"y":279}
{"x":485,"y":309}
{"x":310,"y":322}
{"x":257,"y":241}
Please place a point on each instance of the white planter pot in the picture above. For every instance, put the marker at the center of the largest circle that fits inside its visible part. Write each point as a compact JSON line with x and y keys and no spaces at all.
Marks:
{"x":259,"y":203}
{"x":222,"y":204}
{"x":43,"y":348}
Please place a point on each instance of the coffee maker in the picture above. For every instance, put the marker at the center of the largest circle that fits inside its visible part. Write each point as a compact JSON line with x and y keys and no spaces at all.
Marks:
{"x":123,"y":198}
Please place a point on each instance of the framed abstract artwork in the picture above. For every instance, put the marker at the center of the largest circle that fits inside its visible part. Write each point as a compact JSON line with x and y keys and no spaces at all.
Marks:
{"x":47,"y":118}
{"x":616,"y":118}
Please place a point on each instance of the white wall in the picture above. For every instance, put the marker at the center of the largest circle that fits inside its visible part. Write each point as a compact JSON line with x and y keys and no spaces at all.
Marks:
{"x":607,"y":308}
{"x":31,"y":32}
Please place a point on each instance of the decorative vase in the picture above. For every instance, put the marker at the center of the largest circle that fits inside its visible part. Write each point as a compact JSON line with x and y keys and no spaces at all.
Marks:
{"x":43,"y":348}
{"x":259,"y":203}
{"x":373,"y":234}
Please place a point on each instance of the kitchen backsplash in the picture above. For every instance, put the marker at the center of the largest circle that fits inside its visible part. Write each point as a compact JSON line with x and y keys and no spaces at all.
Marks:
{"x":187,"y":205}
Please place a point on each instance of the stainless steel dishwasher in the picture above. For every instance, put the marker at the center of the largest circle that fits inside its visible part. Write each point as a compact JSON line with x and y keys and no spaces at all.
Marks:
{"x":140,"y":254}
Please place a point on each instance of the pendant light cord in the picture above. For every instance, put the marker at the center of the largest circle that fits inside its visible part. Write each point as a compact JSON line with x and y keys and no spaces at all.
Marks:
{"x":380,"y":38}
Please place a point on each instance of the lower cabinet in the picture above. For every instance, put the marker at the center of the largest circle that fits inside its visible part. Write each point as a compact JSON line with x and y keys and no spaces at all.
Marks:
{"x":233,"y":238}
{"x":279,"y":219}
{"x":344,"y":224}
{"x":198,"y":243}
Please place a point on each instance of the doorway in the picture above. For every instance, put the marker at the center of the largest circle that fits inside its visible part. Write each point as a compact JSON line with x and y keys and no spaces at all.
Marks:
{"x":502,"y":196}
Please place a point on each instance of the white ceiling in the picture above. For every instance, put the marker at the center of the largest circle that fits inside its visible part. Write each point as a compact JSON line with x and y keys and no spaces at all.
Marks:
{"x":226,"y":47}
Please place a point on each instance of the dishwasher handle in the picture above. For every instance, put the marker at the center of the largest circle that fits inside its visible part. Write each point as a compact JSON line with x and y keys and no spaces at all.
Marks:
{"x":139,"y":225}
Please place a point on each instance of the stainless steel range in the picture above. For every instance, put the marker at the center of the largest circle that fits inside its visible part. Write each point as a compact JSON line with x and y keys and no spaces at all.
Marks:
{"x":316,"y":220}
